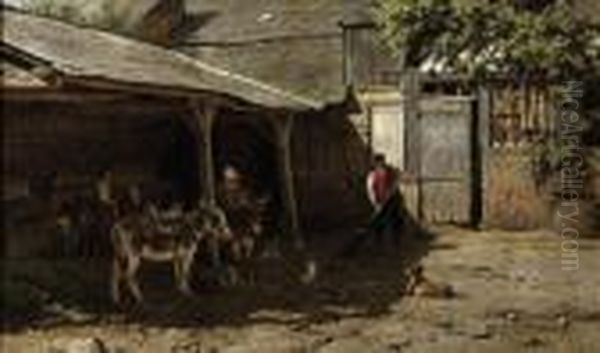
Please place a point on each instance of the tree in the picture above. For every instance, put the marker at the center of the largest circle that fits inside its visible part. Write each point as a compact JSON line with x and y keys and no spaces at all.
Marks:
{"x":523,"y":38}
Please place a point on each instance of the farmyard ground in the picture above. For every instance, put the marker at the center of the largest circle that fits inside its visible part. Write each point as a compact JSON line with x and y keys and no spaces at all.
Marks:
{"x":513,"y":297}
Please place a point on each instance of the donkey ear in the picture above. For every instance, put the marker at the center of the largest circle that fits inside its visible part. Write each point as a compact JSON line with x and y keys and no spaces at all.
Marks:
{"x":153,"y":210}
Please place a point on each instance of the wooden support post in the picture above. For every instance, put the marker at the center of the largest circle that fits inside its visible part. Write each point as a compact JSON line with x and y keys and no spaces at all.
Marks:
{"x":284,"y":132}
{"x":205,"y":114}
{"x":484,"y":111}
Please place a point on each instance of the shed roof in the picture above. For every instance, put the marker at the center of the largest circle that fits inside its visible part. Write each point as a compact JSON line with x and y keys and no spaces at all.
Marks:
{"x":14,"y":76}
{"x":90,"y":54}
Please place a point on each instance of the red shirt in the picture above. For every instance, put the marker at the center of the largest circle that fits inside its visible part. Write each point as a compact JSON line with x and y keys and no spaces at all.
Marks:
{"x":382,"y":184}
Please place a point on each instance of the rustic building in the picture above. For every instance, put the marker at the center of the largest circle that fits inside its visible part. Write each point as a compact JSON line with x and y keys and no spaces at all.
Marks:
{"x":297,"y":46}
{"x":452,"y":142}
{"x":78,"y":101}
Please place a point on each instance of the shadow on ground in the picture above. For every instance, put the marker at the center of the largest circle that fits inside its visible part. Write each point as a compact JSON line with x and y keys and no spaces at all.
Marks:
{"x":51,"y":292}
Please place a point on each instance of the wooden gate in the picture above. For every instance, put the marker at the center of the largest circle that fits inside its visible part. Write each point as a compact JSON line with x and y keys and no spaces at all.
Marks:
{"x":446,"y":166}
{"x":438,"y":141}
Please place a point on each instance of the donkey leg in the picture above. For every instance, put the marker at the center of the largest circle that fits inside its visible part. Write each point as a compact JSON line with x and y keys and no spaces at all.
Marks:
{"x":177,"y":270}
{"x":186,"y":261}
{"x":236,"y":261}
{"x":117,"y":277}
{"x":233,"y":275}
{"x":250,"y":261}
{"x":133,"y":265}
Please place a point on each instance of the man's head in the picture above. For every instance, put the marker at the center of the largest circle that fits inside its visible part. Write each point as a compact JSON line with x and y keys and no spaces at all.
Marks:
{"x":232,"y":178}
{"x":379,"y":160}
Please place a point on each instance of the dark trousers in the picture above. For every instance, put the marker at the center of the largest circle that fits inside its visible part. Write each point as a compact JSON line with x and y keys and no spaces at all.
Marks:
{"x":383,"y":229}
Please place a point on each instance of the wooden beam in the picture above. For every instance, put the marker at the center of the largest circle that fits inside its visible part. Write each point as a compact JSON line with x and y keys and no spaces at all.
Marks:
{"x":220,"y":98}
{"x":52,"y":94}
{"x":283,"y":129}
{"x":205,"y":113}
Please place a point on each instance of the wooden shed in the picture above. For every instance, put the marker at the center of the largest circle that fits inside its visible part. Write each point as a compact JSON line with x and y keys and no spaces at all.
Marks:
{"x":77,"y":100}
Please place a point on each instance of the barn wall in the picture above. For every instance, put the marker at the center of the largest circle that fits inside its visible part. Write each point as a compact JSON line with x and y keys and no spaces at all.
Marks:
{"x":329,"y":159}
{"x":76,"y":142}
{"x":330,"y":165}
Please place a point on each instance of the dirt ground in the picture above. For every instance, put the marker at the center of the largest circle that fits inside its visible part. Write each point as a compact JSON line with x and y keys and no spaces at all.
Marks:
{"x":512,"y":296}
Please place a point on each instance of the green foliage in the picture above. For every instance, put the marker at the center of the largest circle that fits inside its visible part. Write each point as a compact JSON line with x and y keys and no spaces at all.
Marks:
{"x":484,"y":38}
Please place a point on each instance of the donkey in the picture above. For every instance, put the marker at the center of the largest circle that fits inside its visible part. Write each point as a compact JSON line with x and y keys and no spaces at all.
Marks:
{"x":162,"y":236}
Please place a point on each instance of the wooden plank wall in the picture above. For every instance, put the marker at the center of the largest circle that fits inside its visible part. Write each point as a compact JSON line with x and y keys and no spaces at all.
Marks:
{"x":330,"y":160}
{"x":77,"y":141}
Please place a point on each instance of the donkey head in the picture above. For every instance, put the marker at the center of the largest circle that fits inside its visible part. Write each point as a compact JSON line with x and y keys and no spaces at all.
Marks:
{"x":209,"y":220}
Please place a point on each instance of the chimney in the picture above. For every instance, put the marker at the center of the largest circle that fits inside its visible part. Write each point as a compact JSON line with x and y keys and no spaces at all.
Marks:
{"x":160,"y":24}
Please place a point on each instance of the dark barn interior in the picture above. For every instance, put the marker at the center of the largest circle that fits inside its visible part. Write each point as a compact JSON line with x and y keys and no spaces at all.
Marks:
{"x":57,"y":148}
{"x":245,"y":141}
{"x":179,"y":165}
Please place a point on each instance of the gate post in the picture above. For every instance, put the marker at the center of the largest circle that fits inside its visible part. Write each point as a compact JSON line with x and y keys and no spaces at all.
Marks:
{"x":483,"y":116}
{"x":412,"y":149}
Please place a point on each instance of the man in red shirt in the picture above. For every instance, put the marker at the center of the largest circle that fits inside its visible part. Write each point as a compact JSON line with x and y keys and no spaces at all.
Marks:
{"x":382,"y":189}
{"x":383,"y":192}
{"x":381,"y":183}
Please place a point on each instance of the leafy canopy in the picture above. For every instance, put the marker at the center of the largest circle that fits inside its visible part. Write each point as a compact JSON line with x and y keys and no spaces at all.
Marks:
{"x":477,"y":37}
